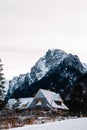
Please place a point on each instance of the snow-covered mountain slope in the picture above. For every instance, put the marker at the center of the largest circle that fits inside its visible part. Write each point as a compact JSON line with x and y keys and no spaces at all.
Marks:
{"x":66,"y":67}
{"x":71,"y":124}
{"x":15,"y":83}
{"x":85,"y":66}
{"x":6,"y":85}
{"x":52,"y":59}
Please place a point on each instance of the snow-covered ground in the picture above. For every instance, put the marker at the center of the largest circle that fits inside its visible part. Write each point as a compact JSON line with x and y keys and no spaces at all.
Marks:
{"x":71,"y":124}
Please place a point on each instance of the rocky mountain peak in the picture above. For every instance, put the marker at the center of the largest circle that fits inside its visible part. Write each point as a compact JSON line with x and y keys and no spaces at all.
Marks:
{"x":51,"y":59}
{"x":66,"y":67}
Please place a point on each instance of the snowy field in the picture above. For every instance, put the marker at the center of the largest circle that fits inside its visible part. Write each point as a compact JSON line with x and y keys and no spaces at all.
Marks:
{"x":71,"y":124}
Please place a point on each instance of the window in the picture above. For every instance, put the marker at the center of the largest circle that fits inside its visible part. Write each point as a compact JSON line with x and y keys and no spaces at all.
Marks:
{"x":58,"y":103}
{"x":38,"y":102}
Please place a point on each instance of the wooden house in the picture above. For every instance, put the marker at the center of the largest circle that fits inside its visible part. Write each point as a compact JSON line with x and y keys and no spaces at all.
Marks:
{"x":44,"y":101}
{"x":47,"y":100}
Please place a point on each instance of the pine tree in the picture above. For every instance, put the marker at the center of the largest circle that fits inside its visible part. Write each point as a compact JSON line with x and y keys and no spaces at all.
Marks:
{"x":2,"y":85}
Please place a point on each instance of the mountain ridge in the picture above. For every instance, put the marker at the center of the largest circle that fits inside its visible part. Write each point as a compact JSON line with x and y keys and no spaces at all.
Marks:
{"x":56,"y":60}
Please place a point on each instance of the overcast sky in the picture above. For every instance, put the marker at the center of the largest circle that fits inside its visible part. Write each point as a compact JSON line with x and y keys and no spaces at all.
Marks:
{"x":28,"y":28}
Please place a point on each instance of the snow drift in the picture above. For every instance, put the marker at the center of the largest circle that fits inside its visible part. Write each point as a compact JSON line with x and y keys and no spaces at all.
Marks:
{"x":71,"y":124}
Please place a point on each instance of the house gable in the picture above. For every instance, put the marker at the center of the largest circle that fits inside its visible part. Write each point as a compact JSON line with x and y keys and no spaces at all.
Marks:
{"x":40,"y":101}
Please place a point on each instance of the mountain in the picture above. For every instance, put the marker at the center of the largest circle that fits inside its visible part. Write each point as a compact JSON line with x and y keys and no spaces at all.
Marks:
{"x":6,"y":86}
{"x":52,"y":59}
{"x":56,"y":71}
{"x":14,"y":84}
{"x":85,"y":66}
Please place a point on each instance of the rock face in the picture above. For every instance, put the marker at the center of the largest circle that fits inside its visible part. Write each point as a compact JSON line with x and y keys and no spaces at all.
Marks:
{"x":56,"y":71}
{"x":52,"y":59}
{"x":14,"y":84}
{"x":85,"y":66}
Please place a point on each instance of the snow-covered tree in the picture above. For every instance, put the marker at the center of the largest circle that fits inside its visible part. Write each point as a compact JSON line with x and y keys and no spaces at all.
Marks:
{"x":2,"y":85}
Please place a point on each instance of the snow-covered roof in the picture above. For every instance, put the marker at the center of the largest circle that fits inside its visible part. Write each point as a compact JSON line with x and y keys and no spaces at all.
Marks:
{"x":24,"y":102}
{"x":62,"y":106}
{"x":48,"y":94}
{"x":51,"y":98}
{"x":56,"y":97}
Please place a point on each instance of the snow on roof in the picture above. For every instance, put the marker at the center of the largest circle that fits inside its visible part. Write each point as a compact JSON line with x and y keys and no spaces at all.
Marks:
{"x":24,"y":102}
{"x":57,"y":97}
{"x":63,"y":106}
{"x":48,"y":94}
{"x":52,"y":97}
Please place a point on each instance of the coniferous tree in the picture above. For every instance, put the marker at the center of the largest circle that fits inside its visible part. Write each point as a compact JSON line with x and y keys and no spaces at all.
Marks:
{"x":2,"y":85}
